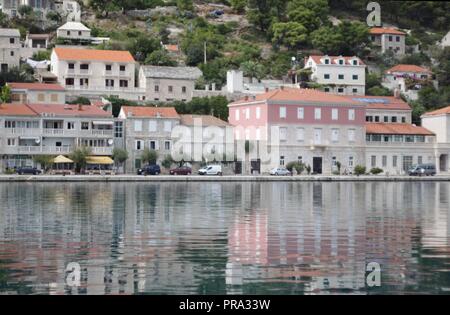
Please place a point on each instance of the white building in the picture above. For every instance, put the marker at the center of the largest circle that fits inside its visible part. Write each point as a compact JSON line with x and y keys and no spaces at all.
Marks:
{"x":445,"y":42}
{"x":338,"y":74}
{"x":95,"y":73}
{"x":9,"y":49}
{"x":386,"y":109}
{"x":71,"y":10}
{"x":408,"y":79}
{"x":74,"y":31}
{"x":37,"y":93}
{"x":388,"y":39}
{"x":41,"y":7}
{"x":166,"y":84}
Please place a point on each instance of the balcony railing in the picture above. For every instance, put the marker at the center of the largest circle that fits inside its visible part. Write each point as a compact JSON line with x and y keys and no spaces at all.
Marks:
{"x":22,"y":131}
{"x":53,"y":132}
{"x":101,"y":150}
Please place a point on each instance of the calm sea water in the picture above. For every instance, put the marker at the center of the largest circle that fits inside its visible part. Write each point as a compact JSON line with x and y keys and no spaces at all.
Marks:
{"x":224,"y":238}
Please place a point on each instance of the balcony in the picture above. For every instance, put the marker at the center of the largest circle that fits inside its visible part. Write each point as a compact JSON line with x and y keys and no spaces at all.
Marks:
{"x":52,"y":150}
{"x":101,"y":150}
{"x":53,"y":132}
{"x":22,"y":131}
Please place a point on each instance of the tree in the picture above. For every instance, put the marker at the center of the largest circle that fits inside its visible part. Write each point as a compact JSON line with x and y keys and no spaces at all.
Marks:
{"x":160,"y":58}
{"x":167,"y":162}
{"x":262,"y":13}
{"x":80,"y":100}
{"x":149,"y":156}
{"x":253,"y":69}
{"x":25,"y":10}
{"x":238,"y":5}
{"x":359,"y":170}
{"x":142,"y":46}
{"x":46,"y":161}
{"x":79,"y":157}
{"x":290,"y":34}
{"x":120,"y":155}
{"x":185,"y":5}
{"x":5,"y":94}
{"x":41,"y":55}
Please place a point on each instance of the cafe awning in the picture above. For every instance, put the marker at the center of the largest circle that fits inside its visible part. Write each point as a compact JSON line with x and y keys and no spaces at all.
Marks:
{"x":104,"y":160}
{"x":61,"y":159}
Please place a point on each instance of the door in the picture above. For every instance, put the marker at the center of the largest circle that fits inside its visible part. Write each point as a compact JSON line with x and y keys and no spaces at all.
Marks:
{"x":317,"y":165}
{"x":443,"y":163}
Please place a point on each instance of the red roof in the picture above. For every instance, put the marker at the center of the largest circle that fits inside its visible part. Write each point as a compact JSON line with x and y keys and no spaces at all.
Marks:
{"x":69,"y":110}
{"x":172,"y":48}
{"x":16,"y":110}
{"x":206,"y":120}
{"x":383,"y":102}
{"x":441,"y":111}
{"x":150,"y":112}
{"x":36,"y":86}
{"x":385,"y":30}
{"x":93,"y":55}
{"x":408,"y":68}
{"x":396,"y":129}
{"x":347,"y":59}
{"x":300,"y":95}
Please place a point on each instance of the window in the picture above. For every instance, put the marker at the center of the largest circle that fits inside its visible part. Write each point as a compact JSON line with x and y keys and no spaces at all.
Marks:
{"x":84,"y":82}
{"x":152,"y":125}
{"x":71,"y":66}
{"x":123,"y":83}
{"x":350,"y":161}
{"x":12,"y":53}
{"x":340,"y":90}
{"x":355,"y":91}
{"x":373,"y":161}
{"x":138,"y":125}
{"x":137,"y":163}
{"x":247,"y":113}
{"x":54,"y":98}
{"x":327,"y":89}
{"x":12,"y":40}
{"x":355,"y":62}
{"x":282,"y":112}
{"x":386,"y":119}
{"x":170,"y":89}
{"x":70,"y":125}
{"x":156,"y":88}
{"x":300,"y":134}
{"x":407,"y":162}
{"x":398,"y":138}
{"x":300,"y":113}
{"x":397,"y":38}
{"x":153,"y":145}
{"x":420,"y":138}
{"x":183,"y":89}
{"x":369,"y":118}
{"x":108,"y":67}
{"x":79,"y":33}
{"x":394,"y":161}
{"x":327,"y":61}
{"x":317,"y":113}
{"x":84,"y":66}
{"x":167,"y":126}
{"x":326,"y":76}
{"x":258,"y":112}
{"x":390,"y":38}
{"x":70,"y":81}
{"x":118,"y":129}
{"x":377,"y":118}
{"x":341,"y":77}
{"x":335,"y":135}
{"x":236,"y":114}
{"x":341,"y":62}
{"x":68,"y":33}
{"x":333,"y":161}
{"x":351,"y":135}
{"x":403,"y":119}
{"x":109,"y":83}
{"x":84,"y":125}
{"x":394,"y":119}
{"x":355,"y":77}
{"x":300,"y":159}
{"x":41,"y":97}
{"x":384,"y":160}
{"x":282,"y":160}
{"x":351,"y":114}
{"x":334,"y":114}
{"x":317,"y":136}
{"x":139,"y":145}
{"x":409,"y":138}
{"x":122,"y":68}
{"x":419,"y":160}
{"x":283,"y":134}
{"x":11,"y":142}
{"x":167,"y":145}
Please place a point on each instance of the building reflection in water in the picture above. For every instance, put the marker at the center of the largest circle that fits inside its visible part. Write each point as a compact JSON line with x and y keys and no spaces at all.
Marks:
{"x":220,"y":238}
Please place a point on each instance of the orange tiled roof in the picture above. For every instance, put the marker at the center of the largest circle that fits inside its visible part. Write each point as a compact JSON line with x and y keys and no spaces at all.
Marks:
{"x":441,"y":111}
{"x":385,"y":30}
{"x":172,"y":48}
{"x":347,"y":59}
{"x":383,"y":102}
{"x":300,"y":95}
{"x":207,"y":120}
{"x":150,"y":112}
{"x":408,"y":68}
{"x":396,"y":129}
{"x":16,"y":110}
{"x":93,"y":54}
{"x":36,"y":86}
{"x":69,"y":110}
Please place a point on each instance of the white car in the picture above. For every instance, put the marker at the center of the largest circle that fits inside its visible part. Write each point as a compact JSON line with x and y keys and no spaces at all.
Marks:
{"x":280,"y":171}
{"x":210,"y":170}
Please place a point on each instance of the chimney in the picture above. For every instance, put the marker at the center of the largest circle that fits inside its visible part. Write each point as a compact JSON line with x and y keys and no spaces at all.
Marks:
{"x":397,"y":93}
{"x":80,"y":107}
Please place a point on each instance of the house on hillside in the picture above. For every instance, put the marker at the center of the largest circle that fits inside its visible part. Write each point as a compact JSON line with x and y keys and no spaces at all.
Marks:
{"x":37,"y":93}
{"x":9,"y":49}
{"x":388,"y":39}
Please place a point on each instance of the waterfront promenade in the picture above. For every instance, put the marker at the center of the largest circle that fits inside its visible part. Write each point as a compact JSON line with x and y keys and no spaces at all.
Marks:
{"x":231,"y":178}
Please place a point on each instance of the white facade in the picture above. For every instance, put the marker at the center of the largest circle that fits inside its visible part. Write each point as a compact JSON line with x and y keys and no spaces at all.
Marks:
{"x":9,"y":49}
{"x":71,"y":10}
{"x":339,"y":75}
{"x":445,"y":42}
{"x":388,"y":40}
{"x":74,"y":30}
{"x":41,"y":8}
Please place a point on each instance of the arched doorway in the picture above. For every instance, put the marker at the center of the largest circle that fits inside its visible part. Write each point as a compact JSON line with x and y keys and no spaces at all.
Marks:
{"x":443,"y":163}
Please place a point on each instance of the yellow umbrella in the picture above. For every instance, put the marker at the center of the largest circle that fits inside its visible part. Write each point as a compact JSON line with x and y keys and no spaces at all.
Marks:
{"x":60,"y":159}
{"x":103,"y":160}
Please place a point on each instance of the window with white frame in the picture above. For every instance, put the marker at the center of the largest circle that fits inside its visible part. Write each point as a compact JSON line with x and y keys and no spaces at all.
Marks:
{"x":153,"y":144}
{"x":334,"y":114}
{"x":283,"y":133}
{"x":300,"y":134}
{"x":258,"y":112}
{"x":236,"y":114}
{"x":139,"y":145}
{"x":282,"y":112}
{"x":138,"y":125}
{"x":351,"y":114}
{"x":282,"y":160}
{"x":167,"y":145}
{"x":335,"y":135}
{"x":300,"y":113}
{"x":167,"y":126}
{"x":152,"y":126}
{"x":350,"y":161}
{"x":247,"y":134}
{"x":258,"y":133}
{"x":247,"y":113}
{"x":317,"y":113}
{"x":351,"y":135}
{"x":384,"y":160}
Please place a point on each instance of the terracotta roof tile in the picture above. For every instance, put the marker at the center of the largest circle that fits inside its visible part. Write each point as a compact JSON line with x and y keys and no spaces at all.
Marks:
{"x":383,"y":102}
{"x":441,"y":111}
{"x":16,"y":110}
{"x":150,"y":112}
{"x":347,"y":59}
{"x":69,"y":110}
{"x":385,"y":30}
{"x":396,"y":129}
{"x":207,"y":120}
{"x":36,"y":86}
{"x":407,"y":68}
{"x":93,"y":54}
{"x":300,"y":95}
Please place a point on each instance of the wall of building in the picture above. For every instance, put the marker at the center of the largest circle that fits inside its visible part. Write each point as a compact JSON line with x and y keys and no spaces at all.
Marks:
{"x":440,"y":125}
{"x":163,"y":84}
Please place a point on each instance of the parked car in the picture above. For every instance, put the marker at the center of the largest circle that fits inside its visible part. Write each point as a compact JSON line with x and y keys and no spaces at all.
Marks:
{"x":280,"y":171}
{"x":28,"y":170}
{"x":422,"y":170}
{"x":183,"y":170}
{"x":210,"y":170}
{"x":149,"y":170}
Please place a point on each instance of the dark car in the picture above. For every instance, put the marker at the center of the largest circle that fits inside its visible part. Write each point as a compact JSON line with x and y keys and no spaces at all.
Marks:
{"x":28,"y":170}
{"x":183,"y":170}
{"x":422,"y":170}
{"x":149,"y":170}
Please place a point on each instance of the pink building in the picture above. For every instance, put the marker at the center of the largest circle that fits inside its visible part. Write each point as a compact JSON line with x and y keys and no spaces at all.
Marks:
{"x":314,"y":127}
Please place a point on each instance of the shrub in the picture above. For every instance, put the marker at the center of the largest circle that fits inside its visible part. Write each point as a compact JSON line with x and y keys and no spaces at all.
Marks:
{"x":149,"y":156}
{"x":308,"y":169}
{"x":360,"y":170}
{"x":376,"y":171}
{"x":167,"y":162}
